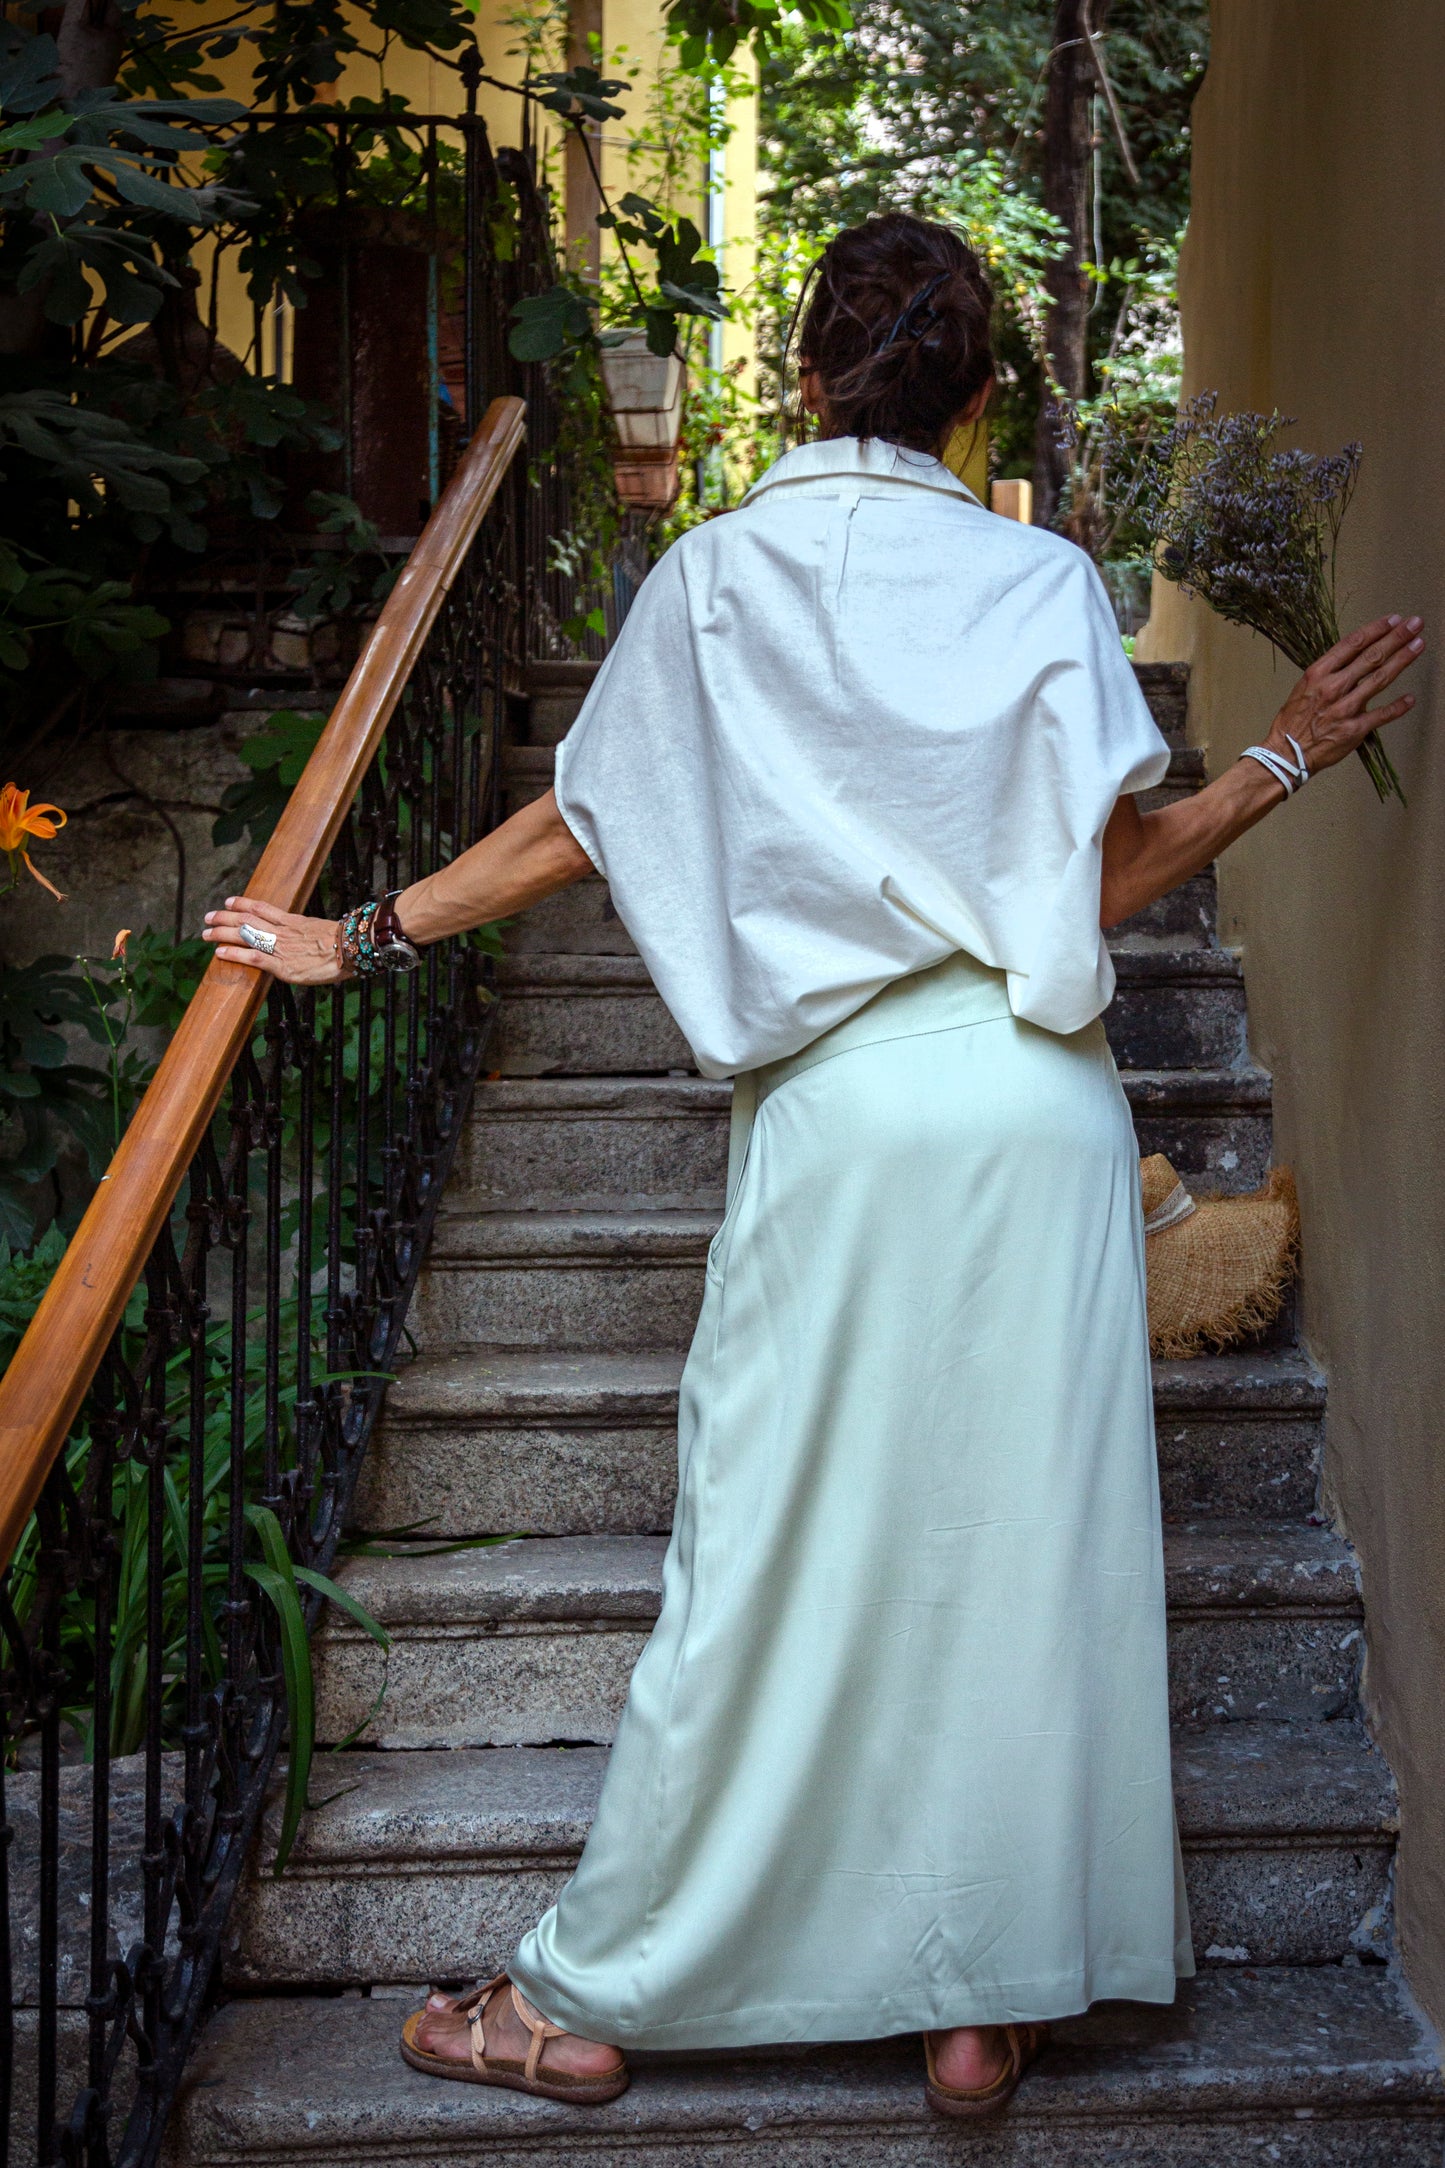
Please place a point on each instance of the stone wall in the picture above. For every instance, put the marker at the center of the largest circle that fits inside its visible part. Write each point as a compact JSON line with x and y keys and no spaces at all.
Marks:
{"x":141,"y":803}
{"x":1311,"y":283}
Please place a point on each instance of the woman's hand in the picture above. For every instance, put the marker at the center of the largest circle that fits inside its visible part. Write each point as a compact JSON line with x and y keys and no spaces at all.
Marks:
{"x":305,"y":947}
{"x":1147,"y":854}
{"x":1328,"y":713}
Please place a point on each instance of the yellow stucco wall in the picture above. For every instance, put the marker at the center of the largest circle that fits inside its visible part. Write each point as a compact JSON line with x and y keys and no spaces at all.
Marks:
{"x":1312,"y":282}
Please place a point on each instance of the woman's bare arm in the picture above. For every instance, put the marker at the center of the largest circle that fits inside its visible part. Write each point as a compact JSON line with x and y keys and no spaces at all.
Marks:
{"x":528,"y":857}
{"x":1328,"y":713}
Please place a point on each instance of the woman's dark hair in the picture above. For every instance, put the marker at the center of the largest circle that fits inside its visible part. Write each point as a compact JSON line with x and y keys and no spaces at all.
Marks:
{"x":897,"y":330}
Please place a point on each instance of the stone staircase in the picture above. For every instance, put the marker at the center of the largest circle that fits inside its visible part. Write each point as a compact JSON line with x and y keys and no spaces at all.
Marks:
{"x":563,"y":1283}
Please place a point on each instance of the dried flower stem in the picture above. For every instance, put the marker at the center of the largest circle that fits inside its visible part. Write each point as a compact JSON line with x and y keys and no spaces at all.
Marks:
{"x":1251,"y":529}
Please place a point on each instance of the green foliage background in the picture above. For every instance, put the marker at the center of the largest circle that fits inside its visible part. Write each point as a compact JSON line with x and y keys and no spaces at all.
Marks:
{"x":937,"y":106}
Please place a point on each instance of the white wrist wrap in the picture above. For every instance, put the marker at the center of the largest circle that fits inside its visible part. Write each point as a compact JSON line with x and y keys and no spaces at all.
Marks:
{"x":1293,"y":774}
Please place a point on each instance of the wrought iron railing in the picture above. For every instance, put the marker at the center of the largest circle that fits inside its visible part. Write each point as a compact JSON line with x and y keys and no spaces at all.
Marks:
{"x":181,"y":1428}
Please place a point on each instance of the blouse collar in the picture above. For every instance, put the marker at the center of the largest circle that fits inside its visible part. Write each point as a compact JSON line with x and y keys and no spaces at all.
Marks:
{"x":860,"y":459}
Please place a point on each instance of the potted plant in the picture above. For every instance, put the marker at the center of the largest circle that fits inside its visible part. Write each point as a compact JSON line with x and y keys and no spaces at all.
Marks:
{"x":645,"y":393}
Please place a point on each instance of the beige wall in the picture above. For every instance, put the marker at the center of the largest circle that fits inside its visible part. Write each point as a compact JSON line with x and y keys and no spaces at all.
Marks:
{"x":1313,"y":282}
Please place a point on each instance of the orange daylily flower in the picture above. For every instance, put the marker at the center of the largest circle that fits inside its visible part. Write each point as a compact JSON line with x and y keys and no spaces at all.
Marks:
{"x":117,"y":954}
{"x":19,"y":820}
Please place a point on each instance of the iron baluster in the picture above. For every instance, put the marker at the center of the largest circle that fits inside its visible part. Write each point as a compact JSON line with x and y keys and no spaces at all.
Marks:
{"x":307,"y":1412}
{"x":237,"y":1218}
{"x":48,"y":1953}
{"x":364,"y":1290}
{"x":271,"y":1316}
{"x":7,"y":1963}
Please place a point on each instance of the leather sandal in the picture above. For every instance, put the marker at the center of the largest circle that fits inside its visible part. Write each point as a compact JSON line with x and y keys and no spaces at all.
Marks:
{"x":1024,"y":2044}
{"x":523,"y":2077}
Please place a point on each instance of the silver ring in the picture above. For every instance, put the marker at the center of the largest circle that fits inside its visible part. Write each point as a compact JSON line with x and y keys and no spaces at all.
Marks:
{"x":254,"y":937}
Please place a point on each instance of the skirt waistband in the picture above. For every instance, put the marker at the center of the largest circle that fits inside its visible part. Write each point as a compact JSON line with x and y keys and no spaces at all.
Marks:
{"x":958,"y":991}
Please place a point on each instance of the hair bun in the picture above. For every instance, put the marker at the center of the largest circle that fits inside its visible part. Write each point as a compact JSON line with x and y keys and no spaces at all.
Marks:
{"x":897,"y":330}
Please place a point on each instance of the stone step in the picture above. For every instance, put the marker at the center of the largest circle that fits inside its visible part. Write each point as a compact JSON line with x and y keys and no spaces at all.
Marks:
{"x":430,"y":1865}
{"x":1189,"y":912}
{"x":1317,"y":2067}
{"x":478,"y":1442}
{"x":579,"y":921}
{"x":632,"y":1278}
{"x":1240,"y":1434}
{"x":584,"y":1016}
{"x":523,"y":1642}
{"x":1265,"y":1623}
{"x":1175,"y":1008}
{"x":1165,"y":686}
{"x":614,"y":1280}
{"x":555,"y":691}
{"x":586,"y":1142}
{"x":1214,"y":1124}
{"x":527,"y":771}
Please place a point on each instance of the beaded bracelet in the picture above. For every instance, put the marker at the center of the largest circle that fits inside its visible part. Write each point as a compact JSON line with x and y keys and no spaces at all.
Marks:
{"x":355,"y":950}
{"x":369,"y":940}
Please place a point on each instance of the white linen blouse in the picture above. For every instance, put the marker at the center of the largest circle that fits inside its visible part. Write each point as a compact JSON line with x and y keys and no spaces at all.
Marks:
{"x":848,"y":729}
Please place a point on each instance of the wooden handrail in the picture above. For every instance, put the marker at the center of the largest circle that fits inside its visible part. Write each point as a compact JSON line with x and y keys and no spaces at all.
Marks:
{"x":42,"y":1391}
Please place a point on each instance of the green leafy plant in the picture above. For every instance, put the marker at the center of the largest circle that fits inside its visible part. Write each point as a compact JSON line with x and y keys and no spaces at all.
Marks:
{"x":48,"y":1100}
{"x":278,"y":1578}
{"x":276,"y":757}
{"x":53,"y":1105}
{"x":280,"y":1581}
{"x":116,"y":165}
{"x":359,"y":571}
{"x":913,"y":100}
{"x":711,"y":30}
{"x":97,"y":623}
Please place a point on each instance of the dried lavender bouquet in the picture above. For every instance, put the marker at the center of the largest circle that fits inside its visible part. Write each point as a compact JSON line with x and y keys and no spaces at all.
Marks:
{"x":1250,"y":528}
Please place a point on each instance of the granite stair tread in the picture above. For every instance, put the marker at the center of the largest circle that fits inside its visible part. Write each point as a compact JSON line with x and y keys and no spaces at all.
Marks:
{"x":428,"y":1863}
{"x":639,"y":1096}
{"x":535,"y":1382}
{"x":462,"y":1804}
{"x":1242,"y":1084}
{"x":1281,"y":1780}
{"x":1213,"y":1566}
{"x":1328,"y":2060}
{"x":671,"y":1234}
{"x":585,"y":1578}
{"x":481,"y":1381}
{"x":511,"y":1231}
{"x":564,"y":1440}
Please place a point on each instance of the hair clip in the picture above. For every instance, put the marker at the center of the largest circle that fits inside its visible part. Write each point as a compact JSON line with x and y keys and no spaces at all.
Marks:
{"x":904,"y":321}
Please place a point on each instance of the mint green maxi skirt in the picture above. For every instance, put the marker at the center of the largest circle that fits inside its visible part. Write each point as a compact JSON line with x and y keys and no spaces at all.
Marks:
{"x":897,"y":1753}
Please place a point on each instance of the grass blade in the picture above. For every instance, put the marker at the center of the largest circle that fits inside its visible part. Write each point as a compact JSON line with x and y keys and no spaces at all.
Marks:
{"x":300,"y":1699}
{"x":344,"y":1601}
{"x":277,"y":1580}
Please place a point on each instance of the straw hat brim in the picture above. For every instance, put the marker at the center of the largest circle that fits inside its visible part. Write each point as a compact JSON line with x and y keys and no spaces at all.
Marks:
{"x":1224,"y":1272}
